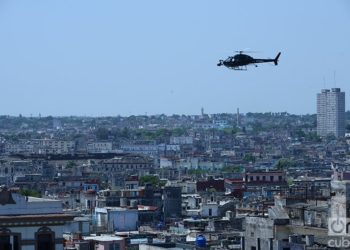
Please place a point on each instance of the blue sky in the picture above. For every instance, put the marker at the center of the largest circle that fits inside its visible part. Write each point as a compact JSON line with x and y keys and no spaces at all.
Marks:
{"x":134,"y":57}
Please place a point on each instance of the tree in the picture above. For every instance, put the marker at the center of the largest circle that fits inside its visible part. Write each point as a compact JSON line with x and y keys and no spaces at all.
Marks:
{"x":290,"y":181}
{"x":102,"y":133}
{"x":231,"y":131}
{"x":312,"y":136}
{"x":30,"y":192}
{"x":257,"y":127}
{"x":299,"y":133}
{"x":232,"y":169}
{"x":197,"y":171}
{"x":178,"y":131}
{"x":249,"y":158}
{"x":70,"y":164}
{"x":151,"y":179}
{"x":284,"y":163}
{"x":125,"y":133}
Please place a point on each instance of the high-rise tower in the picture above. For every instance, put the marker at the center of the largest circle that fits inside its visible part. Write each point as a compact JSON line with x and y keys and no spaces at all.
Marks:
{"x":331,"y":112}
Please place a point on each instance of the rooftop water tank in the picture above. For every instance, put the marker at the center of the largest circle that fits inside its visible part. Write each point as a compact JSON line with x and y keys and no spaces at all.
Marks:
{"x":123,"y":202}
{"x":133,"y":203}
{"x":201,"y":241}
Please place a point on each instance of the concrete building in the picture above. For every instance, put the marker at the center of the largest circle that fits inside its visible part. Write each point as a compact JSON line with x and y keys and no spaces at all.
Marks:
{"x":276,"y":233}
{"x":209,"y":209}
{"x":11,"y":170}
{"x":79,"y":225}
{"x":30,"y":223}
{"x":331,"y":112}
{"x":144,"y":149}
{"x":106,"y":242}
{"x":20,"y":147}
{"x":217,"y":185}
{"x":263,"y":178}
{"x":180,"y":140}
{"x":172,"y":202}
{"x":99,"y":147}
{"x":125,"y":162}
{"x":117,"y":218}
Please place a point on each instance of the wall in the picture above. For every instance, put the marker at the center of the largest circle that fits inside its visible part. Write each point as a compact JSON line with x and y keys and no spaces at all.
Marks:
{"x":258,"y":228}
{"x":28,"y":233}
{"x":124,"y":220}
{"x":213,"y":207}
{"x":33,"y":206}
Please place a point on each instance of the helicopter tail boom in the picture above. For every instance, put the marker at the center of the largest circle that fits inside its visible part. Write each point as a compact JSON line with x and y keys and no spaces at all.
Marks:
{"x":275,"y":61}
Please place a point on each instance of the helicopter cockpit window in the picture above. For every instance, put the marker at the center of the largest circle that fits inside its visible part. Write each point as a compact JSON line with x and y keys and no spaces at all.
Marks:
{"x":230,"y":59}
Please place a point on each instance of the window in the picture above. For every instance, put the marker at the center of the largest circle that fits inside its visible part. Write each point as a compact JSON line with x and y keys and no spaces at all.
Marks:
{"x":5,"y":242}
{"x":45,"y":239}
{"x":264,"y":178}
{"x":114,"y":246}
{"x":271,"y":178}
{"x":9,"y":241}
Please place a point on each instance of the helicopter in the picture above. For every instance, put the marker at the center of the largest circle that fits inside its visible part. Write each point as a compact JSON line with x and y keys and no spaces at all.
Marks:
{"x":240,"y":61}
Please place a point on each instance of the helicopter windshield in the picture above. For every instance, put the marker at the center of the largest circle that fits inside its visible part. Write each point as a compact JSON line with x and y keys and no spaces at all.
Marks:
{"x":229,"y":59}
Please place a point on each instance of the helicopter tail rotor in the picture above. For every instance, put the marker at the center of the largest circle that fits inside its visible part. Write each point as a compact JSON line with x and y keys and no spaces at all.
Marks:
{"x":275,"y":61}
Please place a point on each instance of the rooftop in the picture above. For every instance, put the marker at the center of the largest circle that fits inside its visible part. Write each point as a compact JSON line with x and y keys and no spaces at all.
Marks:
{"x":104,"y":238}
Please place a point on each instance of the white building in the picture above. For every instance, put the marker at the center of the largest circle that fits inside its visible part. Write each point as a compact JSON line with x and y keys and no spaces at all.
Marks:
{"x":210,"y":209}
{"x":20,"y":147}
{"x":15,"y":169}
{"x":140,"y":149}
{"x":117,"y":218}
{"x":50,"y":146}
{"x":30,"y":223}
{"x":107,"y":242}
{"x":99,"y":147}
{"x":165,"y":163}
{"x":180,"y":140}
{"x":331,"y":112}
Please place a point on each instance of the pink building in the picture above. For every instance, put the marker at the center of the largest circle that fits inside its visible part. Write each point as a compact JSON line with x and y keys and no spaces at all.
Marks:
{"x":269,"y":177}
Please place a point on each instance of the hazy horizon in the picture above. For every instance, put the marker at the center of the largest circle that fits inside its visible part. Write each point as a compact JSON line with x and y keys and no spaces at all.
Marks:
{"x":149,"y":115}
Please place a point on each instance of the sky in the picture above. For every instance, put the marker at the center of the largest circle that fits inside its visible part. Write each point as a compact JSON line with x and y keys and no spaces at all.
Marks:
{"x":108,"y":58}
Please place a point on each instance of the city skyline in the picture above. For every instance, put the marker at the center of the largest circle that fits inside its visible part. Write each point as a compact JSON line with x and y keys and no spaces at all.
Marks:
{"x":124,"y":59}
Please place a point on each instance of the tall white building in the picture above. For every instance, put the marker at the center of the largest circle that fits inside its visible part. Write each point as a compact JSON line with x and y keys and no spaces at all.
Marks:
{"x":331,"y":112}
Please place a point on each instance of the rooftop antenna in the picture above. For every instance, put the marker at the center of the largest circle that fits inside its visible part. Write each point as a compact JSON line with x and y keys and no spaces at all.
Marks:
{"x":324,"y":82}
{"x":335,"y":82}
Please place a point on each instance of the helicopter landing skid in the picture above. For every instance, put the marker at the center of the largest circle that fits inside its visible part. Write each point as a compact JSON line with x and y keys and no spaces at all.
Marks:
{"x":244,"y":68}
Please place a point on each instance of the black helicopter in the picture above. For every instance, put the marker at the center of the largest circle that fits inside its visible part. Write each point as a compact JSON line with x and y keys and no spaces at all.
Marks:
{"x":240,"y":61}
